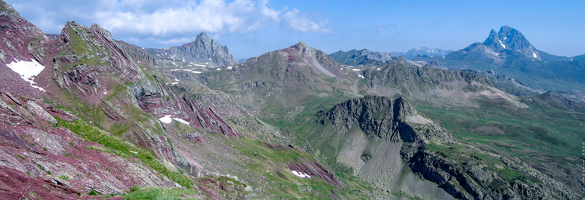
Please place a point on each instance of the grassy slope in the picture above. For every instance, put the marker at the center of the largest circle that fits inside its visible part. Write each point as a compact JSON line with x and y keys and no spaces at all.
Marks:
{"x":548,"y":139}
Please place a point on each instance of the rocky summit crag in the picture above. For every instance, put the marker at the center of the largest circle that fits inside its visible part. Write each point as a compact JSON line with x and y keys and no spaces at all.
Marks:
{"x":202,"y":51}
{"x":84,"y":116}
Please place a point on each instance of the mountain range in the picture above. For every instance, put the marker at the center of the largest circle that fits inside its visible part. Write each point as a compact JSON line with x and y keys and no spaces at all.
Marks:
{"x":423,"y":52}
{"x":85,"y":116}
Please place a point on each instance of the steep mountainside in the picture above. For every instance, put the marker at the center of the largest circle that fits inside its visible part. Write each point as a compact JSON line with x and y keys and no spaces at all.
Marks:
{"x":509,"y":53}
{"x":103,"y":120}
{"x":203,"y":51}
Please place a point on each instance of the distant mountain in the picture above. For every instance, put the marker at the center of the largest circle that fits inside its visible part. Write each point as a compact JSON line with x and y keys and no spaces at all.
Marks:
{"x":423,"y":52}
{"x":509,"y":53}
{"x":296,"y":73}
{"x":367,"y":57}
{"x":361,"y":57}
{"x":203,"y":50}
{"x":578,"y":58}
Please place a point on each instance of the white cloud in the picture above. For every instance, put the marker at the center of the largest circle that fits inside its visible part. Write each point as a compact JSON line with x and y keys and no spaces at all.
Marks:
{"x":297,"y":21}
{"x":168,"y":22}
{"x":189,"y":17}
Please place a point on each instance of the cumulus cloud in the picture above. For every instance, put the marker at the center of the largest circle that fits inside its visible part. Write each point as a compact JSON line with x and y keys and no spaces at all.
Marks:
{"x":178,"y":17}
{"x":296,"y":21}
{"x":169,"y":21}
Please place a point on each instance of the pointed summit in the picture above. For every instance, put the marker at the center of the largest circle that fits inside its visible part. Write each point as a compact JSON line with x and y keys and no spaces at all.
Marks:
{"x":202,"y":38}
{"x":203,"y":50}
{"x":508,"y":38}
{"x":515,"y":40}
{"x":301,"y":45}
{"x":494,"y":41}
{"x":202,"y":35}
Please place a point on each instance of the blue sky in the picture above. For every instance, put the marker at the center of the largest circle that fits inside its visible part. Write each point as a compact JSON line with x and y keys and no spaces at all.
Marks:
{"x":252,"y":27}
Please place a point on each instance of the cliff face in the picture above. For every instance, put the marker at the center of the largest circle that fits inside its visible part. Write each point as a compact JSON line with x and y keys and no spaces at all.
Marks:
{"x":384,"y":118}
{"x":370,"y":137}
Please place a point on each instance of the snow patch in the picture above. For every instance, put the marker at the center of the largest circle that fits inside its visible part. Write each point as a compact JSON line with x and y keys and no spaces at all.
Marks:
{"x":361,"y":76}
{"x":502,"y":43}
{"x":356,"y":70}
{"x":534,"y":54}
{"x":166,"y":119}
{"x":187,"y":70}
{"x":230,"y":67}
{"x":300,"y":174}
{"x":27,"y":70}
{"x":182,"y":121}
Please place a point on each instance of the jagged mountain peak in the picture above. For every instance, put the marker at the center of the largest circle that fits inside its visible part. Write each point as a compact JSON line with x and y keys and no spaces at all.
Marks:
{"x":203,"y":39}
{"x":203,"y":50}
{"x":203,"y":35}
{"x":301,"y":46}
{"x":508,"y":38}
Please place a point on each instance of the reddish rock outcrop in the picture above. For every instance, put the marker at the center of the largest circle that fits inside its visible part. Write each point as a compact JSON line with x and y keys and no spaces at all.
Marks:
{"x":315,"y":169}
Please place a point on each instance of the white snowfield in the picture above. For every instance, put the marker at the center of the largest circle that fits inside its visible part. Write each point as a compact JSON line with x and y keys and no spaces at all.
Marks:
{"x":27,"y":70}
{"x":300,"y":174}
{"x":167,"y":119}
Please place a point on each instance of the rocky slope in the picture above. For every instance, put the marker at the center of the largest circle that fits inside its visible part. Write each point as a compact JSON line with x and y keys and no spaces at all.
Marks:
{"x":360,"y":134}
{"x":369,"y":136}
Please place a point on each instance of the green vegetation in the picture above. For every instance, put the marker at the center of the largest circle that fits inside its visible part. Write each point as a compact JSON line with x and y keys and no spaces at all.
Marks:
{"x":123,"y":148}
{"x":160,"y":193}
{"x":272,"y":165}
{"x":64,"y":177}
{"x":92,"y":192}
{"x":535,"y":131}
